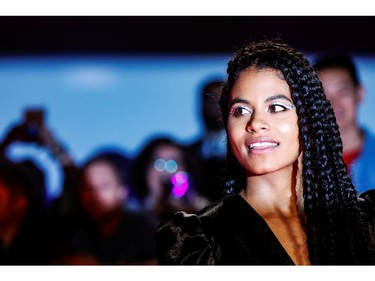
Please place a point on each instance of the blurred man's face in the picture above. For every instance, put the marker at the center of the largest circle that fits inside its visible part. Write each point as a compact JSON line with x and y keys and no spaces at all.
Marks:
{"x":343,"y":95}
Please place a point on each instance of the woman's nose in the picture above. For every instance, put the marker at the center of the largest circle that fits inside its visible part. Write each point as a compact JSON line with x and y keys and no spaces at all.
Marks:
{"x":257,"y":122}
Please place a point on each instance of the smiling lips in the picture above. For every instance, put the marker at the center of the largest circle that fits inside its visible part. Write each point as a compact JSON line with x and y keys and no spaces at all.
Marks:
{"x":261,"y":146}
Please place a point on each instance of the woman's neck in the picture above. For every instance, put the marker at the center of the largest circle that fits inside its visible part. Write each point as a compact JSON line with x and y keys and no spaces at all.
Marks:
{"x":272,"y":193}
{"x":276,"y":197}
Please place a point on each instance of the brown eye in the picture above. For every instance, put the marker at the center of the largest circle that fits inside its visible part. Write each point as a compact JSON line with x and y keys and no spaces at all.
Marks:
{"x":239,"y":111}
{"x":274,"y":108}
{"x":279,"y":107}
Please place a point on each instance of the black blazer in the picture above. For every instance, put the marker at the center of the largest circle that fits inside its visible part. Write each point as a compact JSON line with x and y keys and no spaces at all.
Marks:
{"x":228,"y":232}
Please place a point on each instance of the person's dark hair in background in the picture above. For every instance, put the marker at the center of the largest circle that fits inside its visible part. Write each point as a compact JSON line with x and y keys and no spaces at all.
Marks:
{"x":210,"y":110}
{"x":337,"y":60}
{"x":210,"y":148}
{"x":344,"y":89}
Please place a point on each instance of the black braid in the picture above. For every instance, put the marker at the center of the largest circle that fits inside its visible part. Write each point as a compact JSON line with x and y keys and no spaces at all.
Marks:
{"x":334,"y":234}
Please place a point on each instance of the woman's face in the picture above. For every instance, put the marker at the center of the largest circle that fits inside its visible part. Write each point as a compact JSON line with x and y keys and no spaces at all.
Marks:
{"x":262,"y":123}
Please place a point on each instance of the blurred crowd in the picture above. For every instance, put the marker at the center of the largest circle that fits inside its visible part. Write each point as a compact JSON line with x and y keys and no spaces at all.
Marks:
{"x":111,"y":204}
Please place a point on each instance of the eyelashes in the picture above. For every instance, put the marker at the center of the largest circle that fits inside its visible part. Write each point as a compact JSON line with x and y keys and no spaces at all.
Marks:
{"x":273,"y":108}
{"x":279,"y":107}
{"x":240,"y":110}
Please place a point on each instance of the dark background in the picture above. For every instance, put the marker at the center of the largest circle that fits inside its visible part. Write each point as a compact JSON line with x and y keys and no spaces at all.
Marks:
{"x":180,"y":34}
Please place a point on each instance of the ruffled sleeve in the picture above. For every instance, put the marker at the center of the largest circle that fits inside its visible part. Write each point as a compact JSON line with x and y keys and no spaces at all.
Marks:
{"x":182,"y":240}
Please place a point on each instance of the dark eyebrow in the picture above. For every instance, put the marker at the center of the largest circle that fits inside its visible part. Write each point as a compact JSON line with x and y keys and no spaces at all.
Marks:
{"x":278,"y":97}
{"x":238,"y":100}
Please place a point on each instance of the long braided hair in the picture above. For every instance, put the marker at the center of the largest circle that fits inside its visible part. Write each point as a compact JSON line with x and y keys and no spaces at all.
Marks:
{"x":333,"y":229}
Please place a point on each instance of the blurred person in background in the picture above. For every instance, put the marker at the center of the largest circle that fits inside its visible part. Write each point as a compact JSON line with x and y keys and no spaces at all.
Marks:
{"x":164,"y":176}
{"x":210,"y":148}
{"x":87,"y":222}
{"x":24,"y":229}
{"x":345,"y":91}
{"x":106,"y":232}
{"x":32,"y":131}
{"x":30,"y":139}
